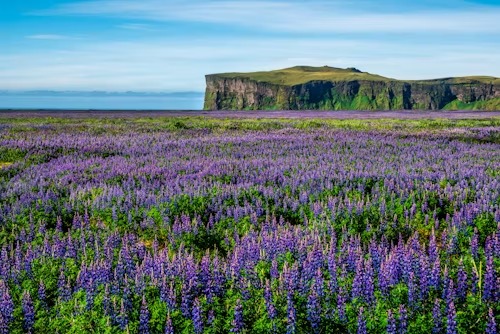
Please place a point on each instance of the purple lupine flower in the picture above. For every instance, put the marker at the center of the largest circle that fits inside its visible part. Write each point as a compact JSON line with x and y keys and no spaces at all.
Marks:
{"x":89,"y":295}
{"x":59,"y":224}
{"x":497,"y":235}
{"x":319,"y":283}
{"x":412,"y":290}
{"x":6,"y":304}
{"x":357,"y":283}
{"x":435,"y":274}
{"x":404,"y":263}
{"x":368,"y":286}
{"x":197,"y":317}
{"x":462,"y":283}
{"x":314,"y":310}
{"x":245,"y":289}
{"x":144,"y":318}
{"x":28,"y":312}
{"x":391,"y":323}
{"x":290,"y":325}
{"x":237,"y":323}
{"x":491,"y":327}
{"x":474,"y":243}
{"x":474,"y":281}
{"x":186,"y":295}
{"x":140,"y":285}
{"x":71,"y":252}
{"x":204,"y":276}
{"x":63,"y":287}
{"x":122,"y":317}
{"x":106,"y":301}
{"x":42,"y":294}
{"x":341,"y":300}
{"x":432,"y":251}
{"x":210,"y":317}
{"x":446,"y":284}
{"x":332,"y":265}
{"x":403,"y":320}
{"x":450,"y":293}
{"x":127,"y":297}
{"x":4,"y":325}
{"x":489,"y":291}
{"x":375,"y":255}
{"x":423,"y":277}
{"x":452,"y":245}
{"x":274,"y":269}
{"x":384,"y":279}
{"x":361,"y":322}
{"x":437,"y":317}
{"x":451,"y":322}
{"x":497,"y":294}
{"x":268,"y":298}
{"x":489,"y":246}
{"x":169,"y":327}
{"x":169,"y":294}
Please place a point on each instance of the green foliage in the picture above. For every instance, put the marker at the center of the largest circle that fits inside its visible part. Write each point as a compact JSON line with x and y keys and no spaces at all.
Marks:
{"x":302,"y":74}
{"x":492,"y":104}
{"x":486,"y":225}
{"x":11,"y":154}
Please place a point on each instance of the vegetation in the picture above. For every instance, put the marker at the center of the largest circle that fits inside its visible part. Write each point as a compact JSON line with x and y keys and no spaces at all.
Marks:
{"x":303,"y":74}
{"x":205,"y":225}
{"x":493,"y":104}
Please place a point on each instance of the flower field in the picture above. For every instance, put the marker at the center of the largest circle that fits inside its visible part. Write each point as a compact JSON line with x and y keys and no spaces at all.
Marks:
{"x":249,"y":226}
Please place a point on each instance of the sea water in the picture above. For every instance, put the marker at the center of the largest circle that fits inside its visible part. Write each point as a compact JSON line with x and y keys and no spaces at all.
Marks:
{"x":111,"y":102}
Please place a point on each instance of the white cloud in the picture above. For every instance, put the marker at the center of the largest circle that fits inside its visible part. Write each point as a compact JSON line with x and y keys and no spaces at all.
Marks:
{"x":47,"y":37}
{"x":412,"y":45}
{"x":137,"y":26}
{"x":306,"y":17}
{"x":174,"y":65}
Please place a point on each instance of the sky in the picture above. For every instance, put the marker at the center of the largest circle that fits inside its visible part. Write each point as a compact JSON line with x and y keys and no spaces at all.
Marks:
{"x":169,"y":45}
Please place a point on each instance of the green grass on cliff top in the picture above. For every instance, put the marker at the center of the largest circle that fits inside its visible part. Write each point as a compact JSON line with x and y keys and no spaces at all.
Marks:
{"x":302,"y":74}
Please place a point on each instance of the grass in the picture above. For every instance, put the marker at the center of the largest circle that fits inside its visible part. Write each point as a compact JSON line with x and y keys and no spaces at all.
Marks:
{"x":220,"y":125}
{"x":302,"y":74}
{"x":462,"y":80}
{"x":493,"y":104}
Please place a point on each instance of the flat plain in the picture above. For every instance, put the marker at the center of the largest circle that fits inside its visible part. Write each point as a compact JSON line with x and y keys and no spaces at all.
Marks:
{"x":306,"y":114}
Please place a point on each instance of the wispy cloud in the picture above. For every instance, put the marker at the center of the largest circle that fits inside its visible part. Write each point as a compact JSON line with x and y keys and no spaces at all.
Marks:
{"x":175,"y":65}
{"x":401,"y":39}
{"x":295,"y":16}
{"x":137,"y":27}
{"x":47,"y":37}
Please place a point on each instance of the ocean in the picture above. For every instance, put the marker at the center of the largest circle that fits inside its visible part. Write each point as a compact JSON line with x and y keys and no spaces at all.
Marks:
{"x":192,"y":101}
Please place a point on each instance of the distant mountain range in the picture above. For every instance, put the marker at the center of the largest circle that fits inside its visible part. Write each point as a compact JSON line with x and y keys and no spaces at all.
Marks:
{"x":99,"y":93}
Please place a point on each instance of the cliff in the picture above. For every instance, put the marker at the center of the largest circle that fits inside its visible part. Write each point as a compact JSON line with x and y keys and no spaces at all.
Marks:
{"x":329,"y":88}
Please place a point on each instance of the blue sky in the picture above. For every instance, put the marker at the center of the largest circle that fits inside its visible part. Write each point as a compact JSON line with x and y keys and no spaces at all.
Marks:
{"x":169,"y":45}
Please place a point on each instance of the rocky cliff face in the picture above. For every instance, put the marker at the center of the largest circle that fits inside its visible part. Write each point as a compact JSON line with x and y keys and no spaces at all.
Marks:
{"x":244,"y":93}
